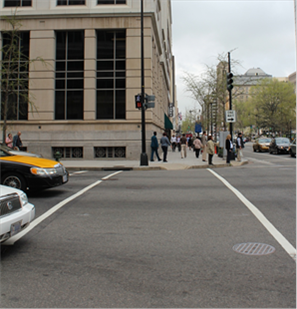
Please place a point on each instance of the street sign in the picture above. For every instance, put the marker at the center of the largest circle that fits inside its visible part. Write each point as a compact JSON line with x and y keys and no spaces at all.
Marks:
{"x":230,"y":116}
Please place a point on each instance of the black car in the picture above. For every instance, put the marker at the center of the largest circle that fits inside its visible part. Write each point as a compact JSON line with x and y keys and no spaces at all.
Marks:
{"x":24,"y":172}
{"x":279,"y":145}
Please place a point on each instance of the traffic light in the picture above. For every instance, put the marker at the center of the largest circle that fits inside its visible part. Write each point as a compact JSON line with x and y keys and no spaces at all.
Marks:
{"x":229,"y":81}
{"x":138,"y":101}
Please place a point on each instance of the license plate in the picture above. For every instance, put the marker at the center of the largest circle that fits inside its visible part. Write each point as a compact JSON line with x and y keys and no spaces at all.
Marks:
{"x":15,"y":228}
{"x":65,"y":178}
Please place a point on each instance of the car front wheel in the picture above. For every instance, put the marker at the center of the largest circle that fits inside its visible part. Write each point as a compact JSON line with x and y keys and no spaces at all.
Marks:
{"x":15,"y":181}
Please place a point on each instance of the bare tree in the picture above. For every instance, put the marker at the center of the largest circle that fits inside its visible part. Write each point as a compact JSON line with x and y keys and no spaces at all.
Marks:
{"x":14,"y":73}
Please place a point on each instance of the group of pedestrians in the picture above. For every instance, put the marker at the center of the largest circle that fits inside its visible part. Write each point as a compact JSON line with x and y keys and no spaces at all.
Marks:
{"x":239,"y":146}
{"x":205,"y":145}
{"x":15,"y":142}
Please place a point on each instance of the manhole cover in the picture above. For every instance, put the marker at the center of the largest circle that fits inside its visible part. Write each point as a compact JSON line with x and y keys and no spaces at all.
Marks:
{"x":253,"y":248}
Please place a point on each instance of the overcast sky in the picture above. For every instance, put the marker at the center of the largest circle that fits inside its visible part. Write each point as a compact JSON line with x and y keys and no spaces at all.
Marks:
{"x":262,"y":32}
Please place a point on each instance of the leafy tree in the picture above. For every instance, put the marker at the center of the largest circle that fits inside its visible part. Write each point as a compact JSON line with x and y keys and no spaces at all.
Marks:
{"x":274,"y":105}
{"x":14,"y":74}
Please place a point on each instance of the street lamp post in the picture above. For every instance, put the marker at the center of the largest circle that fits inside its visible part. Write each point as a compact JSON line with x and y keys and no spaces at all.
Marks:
{"x":143,"y":156}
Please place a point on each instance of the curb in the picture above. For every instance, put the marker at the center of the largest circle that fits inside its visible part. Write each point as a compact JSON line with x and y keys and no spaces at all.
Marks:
{"x":152,"y":168}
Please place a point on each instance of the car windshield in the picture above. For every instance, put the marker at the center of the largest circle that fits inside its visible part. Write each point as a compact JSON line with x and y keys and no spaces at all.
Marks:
{"x":264,"y":140}
{"x":282,"y":141}
{"x":4,"y":153}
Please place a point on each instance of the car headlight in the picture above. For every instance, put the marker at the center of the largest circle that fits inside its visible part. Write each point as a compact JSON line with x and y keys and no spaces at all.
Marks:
{"x":43,"y":171}
{"x":24,"y":198}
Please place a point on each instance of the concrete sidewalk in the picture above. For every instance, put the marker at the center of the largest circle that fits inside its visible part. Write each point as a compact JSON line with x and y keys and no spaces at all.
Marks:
{"x":175,"y":162}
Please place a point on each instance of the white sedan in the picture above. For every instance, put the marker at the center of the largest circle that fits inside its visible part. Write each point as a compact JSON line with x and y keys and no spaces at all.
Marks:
{"x":16,"y":212}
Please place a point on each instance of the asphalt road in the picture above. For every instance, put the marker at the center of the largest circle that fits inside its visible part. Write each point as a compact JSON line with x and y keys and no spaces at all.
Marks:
{"x":160,"y":239}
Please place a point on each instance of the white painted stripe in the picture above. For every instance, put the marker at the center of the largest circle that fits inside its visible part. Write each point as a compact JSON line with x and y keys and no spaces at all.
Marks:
{"x":80,"y":172}
{"x":113,"y":174}
{"x":38,"y":220}
{"x":260,"y":161}
{"x":259,"y":215}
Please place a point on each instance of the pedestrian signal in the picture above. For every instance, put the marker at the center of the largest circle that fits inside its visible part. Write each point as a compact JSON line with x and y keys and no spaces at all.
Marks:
{"x":138,"y":103}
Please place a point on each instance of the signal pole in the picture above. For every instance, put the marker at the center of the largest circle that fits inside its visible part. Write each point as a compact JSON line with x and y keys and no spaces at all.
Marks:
{"x":143,"y":156}
{"x":230,"y":95}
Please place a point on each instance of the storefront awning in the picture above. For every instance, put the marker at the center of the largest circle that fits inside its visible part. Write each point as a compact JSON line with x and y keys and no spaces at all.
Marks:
{"x":167,"y":122}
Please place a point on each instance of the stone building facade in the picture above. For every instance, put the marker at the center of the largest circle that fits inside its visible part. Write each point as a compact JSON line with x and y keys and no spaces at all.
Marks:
{"x":85,"y":93}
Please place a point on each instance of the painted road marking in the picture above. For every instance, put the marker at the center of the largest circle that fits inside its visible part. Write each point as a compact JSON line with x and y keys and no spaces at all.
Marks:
{"x":259,"y":215}
{"x":38,"y":220}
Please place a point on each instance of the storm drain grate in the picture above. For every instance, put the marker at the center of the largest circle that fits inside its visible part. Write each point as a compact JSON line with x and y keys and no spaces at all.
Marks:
{"x":253,"y":248}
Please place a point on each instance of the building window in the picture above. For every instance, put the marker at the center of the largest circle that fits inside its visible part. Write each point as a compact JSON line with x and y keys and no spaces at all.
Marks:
{"x":111,"y":74}
{"x":110,"y":152}
{"x":12,"y":3}
{"x":71,"y":2}
{"x":68,"y":152}
{"x":17,"y":76}
{"x":69,"y":93}
{"x":111,"y":2}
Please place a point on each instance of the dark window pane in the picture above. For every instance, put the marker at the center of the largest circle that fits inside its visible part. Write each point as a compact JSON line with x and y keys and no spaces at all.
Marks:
{"x":76,"y":2}
{"x":60,"y":83}
{"x":105,"y":104}
{"x":75,"y":83}
{"x":75,"y":106}
{"x":104,"y":65}
{"x":75,"y":74}
{"x":61,"y":46}
{"x":75,"y":66}
{"x":27,"y":3}
{"x":104,"y":74}
{"x":60,"y":75}
{"x":120,"y":104}
{"x":120,"y":65}
{"x":25,"y":41}
{"x":121,"y":83}
{"x":23,"y":106}
{"x":105,"y":45}
{"x":105,"y":1}
{"x":62,"y":2}
{"x":105,"y":83}
{"x":120,"y":74}
{"x":120,"y":1}
{"x":60,"y":66}
{"x":12,"y":110}
{"x":121,"y":45}
{"x":60,"y":105}
{"x":76,"y":45}
{"x":10,"y":3}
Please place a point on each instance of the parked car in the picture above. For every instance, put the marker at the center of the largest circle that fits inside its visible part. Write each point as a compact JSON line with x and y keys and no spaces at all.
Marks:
{"x":32,"y":173}
{"x":19,"y":152}
{"x":279,"y":145}
{"x":261,"y":144}
{"x":16,"y":212}
{"x":292,"y":148}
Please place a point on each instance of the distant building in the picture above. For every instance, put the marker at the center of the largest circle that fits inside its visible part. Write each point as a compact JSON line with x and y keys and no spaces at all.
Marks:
{"x":243,"y":83}
{"x":292,"y":79}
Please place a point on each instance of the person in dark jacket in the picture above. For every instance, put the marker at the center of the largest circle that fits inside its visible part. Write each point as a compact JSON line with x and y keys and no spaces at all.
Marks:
{"x":154,"y":147}
{"x":229,"y":147}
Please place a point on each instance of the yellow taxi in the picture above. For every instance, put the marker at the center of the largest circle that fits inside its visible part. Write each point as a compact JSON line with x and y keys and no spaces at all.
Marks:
{"x":30,"y":173}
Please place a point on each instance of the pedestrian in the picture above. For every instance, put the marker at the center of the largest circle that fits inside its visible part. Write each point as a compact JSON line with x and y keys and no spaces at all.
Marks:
{"x":229,"y":148}
{"x":203,"y":141}
{"x":17,"y":143}
{"x":173,"y":142}
{"x":178,"y":143}
{"x":154,"y":147}
{"x":190,"y":142}
{"x":239,"y":147}
{"x":197,"y":146}
{"x":165,"y":144}
{"x":210,"y":149}
{"x":9,"y":140}
{"x":183,"y":144}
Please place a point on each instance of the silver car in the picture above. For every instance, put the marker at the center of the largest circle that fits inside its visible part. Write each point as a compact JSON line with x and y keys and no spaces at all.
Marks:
{"x":19,"y":152}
